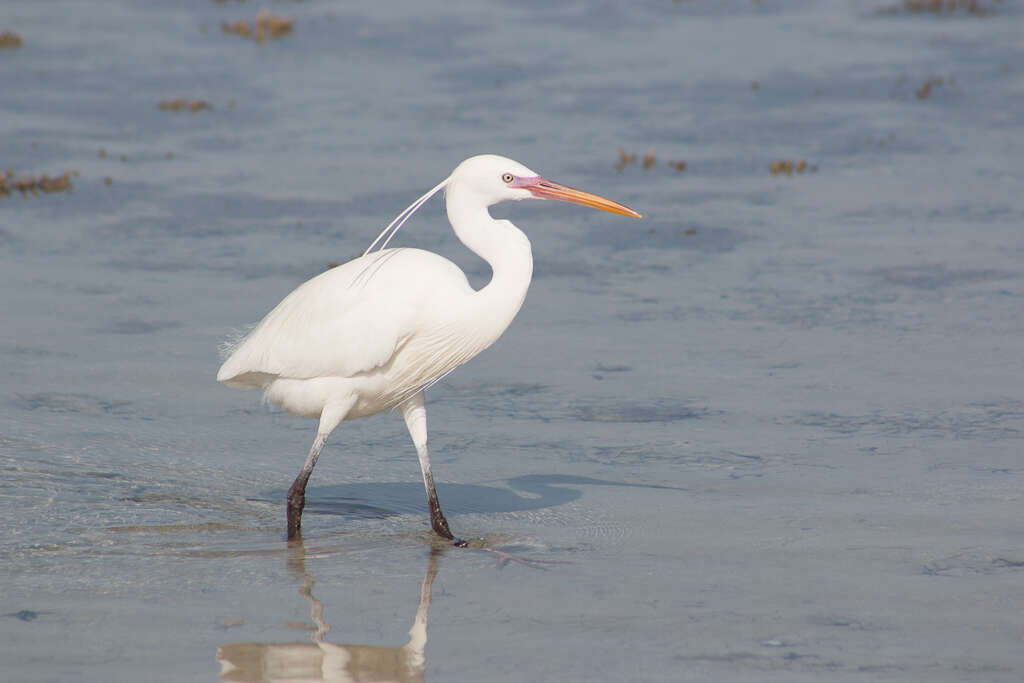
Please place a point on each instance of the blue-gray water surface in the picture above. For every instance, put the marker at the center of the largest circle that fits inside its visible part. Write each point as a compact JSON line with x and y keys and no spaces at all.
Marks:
{"x":771,"y":432}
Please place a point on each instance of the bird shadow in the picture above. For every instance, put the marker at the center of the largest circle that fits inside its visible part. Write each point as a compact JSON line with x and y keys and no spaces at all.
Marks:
{"x":380,"y":500}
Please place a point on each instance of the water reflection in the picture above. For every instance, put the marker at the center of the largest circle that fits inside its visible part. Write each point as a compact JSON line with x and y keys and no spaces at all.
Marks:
{"x":324,"y":661}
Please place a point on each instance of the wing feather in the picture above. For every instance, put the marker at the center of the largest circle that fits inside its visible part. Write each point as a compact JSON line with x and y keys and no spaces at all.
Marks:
{"x":348,"y":320}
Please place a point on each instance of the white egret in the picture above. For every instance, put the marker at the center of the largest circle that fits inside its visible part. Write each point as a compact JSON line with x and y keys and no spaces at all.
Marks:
{"x":374,"y":333}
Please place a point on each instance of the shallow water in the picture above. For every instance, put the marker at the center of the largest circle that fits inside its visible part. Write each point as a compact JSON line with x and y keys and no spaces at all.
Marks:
{"x":771,"y":432}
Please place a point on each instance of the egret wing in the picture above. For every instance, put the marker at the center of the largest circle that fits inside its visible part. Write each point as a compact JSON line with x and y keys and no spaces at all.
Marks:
{"x":348,"y":320}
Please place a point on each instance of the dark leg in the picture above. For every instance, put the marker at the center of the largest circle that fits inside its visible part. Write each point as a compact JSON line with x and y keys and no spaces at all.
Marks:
{"x":437,"y":521}
{"x":330,"y":417}
{"x":297,"y":492}
{"x":416,"y":420}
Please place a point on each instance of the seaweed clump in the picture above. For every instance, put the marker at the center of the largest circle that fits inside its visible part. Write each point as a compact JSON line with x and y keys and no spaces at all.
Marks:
{"x":266,"y":26}
{"x":10,"y":39}
{"x":182,"y":104}
{"x":976,"y":7}
{"x":30,"y":184}
{"x":787,"y":167}
{"x":648,"y":161}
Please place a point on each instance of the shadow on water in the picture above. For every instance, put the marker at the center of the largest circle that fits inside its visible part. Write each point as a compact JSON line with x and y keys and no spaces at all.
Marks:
{"x":321,"y":660}
{"x":379,"y":500}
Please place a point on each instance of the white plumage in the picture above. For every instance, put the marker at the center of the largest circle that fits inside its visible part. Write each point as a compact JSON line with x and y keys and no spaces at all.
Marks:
{"x":380,"y":337}
{"x":372,"y":334}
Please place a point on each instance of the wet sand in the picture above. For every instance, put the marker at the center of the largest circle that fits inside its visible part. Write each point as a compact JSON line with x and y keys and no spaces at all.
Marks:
{"x":770,"y":433}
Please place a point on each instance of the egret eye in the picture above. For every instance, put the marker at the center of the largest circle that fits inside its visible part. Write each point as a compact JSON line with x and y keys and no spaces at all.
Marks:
{"x":508,"y":178}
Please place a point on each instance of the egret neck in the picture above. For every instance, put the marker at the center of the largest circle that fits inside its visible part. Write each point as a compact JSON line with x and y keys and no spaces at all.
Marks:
{"x":506,"y":249}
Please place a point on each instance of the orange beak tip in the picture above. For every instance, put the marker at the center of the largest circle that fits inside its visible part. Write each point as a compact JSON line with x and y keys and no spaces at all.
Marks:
{"x":546,"y":189}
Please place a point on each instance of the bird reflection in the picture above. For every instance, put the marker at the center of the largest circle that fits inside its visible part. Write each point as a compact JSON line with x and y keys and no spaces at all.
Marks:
{"x":324,"y":661}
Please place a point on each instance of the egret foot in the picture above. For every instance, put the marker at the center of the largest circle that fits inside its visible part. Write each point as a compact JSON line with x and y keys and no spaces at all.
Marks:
{"x":440,"y":525}
{"x":437,"y":521}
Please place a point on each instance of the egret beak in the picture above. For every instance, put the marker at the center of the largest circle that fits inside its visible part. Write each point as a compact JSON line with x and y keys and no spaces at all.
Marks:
{"x":545,"y":189}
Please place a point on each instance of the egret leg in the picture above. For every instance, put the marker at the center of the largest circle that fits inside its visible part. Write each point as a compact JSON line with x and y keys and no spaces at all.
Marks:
{"x":415,"y":415}
{"x":330,"y":418}
{"x":297,"y":492}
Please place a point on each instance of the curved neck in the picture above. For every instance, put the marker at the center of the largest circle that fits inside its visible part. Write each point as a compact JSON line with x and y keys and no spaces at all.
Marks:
{"x":505,"y":248}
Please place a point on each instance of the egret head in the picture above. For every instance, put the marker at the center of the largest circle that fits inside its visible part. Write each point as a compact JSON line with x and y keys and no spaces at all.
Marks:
{"x":494,"y":179}
{"x":487,"y":179}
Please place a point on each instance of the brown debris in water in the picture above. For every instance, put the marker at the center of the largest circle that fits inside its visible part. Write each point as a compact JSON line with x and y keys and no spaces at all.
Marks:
{"x":180,"y":103}
{"x":270,"y":26}
{"x":925,"y":91}
{"x":976,"y":7}
{"x":239,"y":28}
{"x":784,"y":166}
{"x":10,"y":39}
{"x":649,"y":159}
{"x":625,"y":160}
{"x":61,"y":183}
{"x":30,"y":184}
{"x":267,"y":25}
